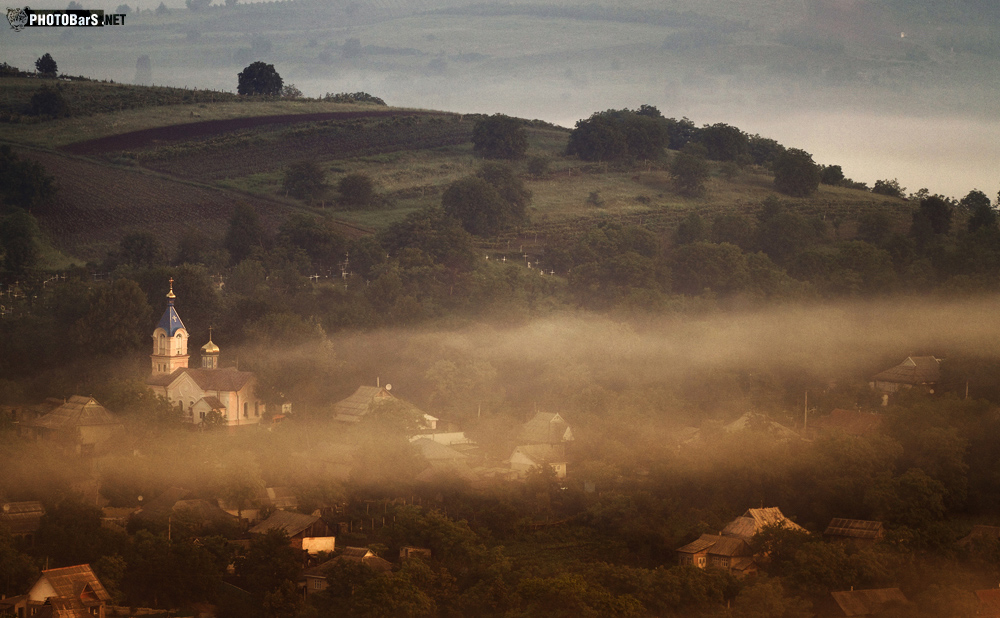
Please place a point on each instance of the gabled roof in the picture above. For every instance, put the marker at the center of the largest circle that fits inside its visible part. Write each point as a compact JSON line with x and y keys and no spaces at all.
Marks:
{"x":854,"y":528}
{"x":360,"y":402}
{"x":227,"y":379}
{"x":545,"y":428}
{"x":170,"y":321}
{"x":717,"y":545}
{"x":980,"y":534}
{"x":754,"y":520}
{"x":160,"y":507}
{"x":203,"y":511}
{"x":21,"y":517}
{"x":761,"y":422}
{"x":366,"y":557}
{"x":76,"y":582}
{"x":446,"y":469}
{"x":76,"y":412}
{"x":989,"y":602}
{"x":433,"y":451}
{"x":291,"y":523}
{"x":542,"y":453}
{"x":852,"y":422}
{"x":914,"y":370}
{"x":282,"y":497}
{"x":864,"y":602}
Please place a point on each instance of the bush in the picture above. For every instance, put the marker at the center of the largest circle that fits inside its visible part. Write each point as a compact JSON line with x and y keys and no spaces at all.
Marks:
{"x":356,"y":190}
{"x":304,"y":180}
{"x":689,"y":173}
{"x":539,"y":165}
{"x":889,"y":187}
{"x":353,"y":97}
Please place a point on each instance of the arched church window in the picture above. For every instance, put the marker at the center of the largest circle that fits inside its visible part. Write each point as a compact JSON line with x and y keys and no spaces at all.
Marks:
{"x":246,"y":410}
{"x":163,"y":344}
{"x":256,"y":408}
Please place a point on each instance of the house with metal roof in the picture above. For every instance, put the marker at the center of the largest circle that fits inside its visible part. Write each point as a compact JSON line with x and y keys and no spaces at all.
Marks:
{"x":368,"y":398}
{"x":867,"y":602}
{"x":80,"y":422}
{"x":923,"y":371}
{"x":22,"y":519}
{"x":854,"y":531}
{"x":204,"y":392}
{"x":754,"y":520}
{"x":545,"y":428}
{"x":69,"y":592}
{"x":296,"y":525}
{"x":529,"y":456}
{"x":718,"y":551}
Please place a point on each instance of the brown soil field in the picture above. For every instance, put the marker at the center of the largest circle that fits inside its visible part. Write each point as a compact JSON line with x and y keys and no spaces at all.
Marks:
{"x":96,"y":205}
{"x":137,"y":140}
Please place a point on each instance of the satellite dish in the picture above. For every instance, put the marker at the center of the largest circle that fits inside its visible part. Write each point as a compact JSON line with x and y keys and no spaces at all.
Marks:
{"x":388,"y":387}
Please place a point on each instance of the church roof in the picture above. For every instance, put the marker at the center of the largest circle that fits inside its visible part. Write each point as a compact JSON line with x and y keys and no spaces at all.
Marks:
{"x":170,"y":321}
{"x":76,"y":412}
{"x":228,"y":379}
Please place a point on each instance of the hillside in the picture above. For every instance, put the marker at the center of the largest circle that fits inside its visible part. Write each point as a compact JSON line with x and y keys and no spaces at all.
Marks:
{"x":166,"y":166}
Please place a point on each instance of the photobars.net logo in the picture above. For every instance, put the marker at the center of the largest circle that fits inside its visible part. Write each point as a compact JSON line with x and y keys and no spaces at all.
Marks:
{"x":27,"y":18}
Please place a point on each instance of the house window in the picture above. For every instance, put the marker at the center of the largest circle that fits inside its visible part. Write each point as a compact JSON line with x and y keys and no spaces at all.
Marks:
{"x":701,"y":561}
{"x":317,"y":584}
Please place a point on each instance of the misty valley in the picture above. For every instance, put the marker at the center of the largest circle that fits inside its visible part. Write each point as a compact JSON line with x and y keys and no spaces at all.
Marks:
{"x":271,"y":353}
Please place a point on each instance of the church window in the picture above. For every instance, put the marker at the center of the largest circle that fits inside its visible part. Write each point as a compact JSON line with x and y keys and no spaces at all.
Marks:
{"x":256,"y":408}
{"x":246,"y":410}
{"x":163,"y":344}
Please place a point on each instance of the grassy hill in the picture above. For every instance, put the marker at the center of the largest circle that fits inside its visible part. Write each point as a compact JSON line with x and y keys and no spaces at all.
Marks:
{"x":161,"y":163}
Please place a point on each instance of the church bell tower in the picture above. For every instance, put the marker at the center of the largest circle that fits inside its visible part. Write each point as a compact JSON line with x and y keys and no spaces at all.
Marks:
{"x":170,"y":340}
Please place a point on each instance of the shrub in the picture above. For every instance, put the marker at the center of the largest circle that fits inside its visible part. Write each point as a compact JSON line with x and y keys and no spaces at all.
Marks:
{"x":356,"y":190}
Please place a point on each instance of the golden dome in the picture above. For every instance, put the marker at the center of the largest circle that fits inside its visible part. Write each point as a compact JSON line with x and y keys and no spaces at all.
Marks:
{"x":210,"y":347}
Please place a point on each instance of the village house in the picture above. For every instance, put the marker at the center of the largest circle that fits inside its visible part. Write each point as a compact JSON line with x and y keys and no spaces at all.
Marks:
{"x":367,"y":398}
{"x":69,"y":592}
{"x":302,"y":530}
{"x":854,"y":531}
{"x":314,"y":579}
{"x":717,"y":551}
{"x":545,"y":428}
{"x":408,"y":551}
{"x":915,"y":371}
{"x":867,"y":602}
{"x":530,"y":456}
{"x":79,"y":423}
{"x":22,"y":519}
{"x":754,"y":520}
{"x":198,"y":393}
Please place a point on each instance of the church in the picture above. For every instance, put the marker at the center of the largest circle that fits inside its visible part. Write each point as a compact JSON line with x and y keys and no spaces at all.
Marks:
{"x":199,"y":392}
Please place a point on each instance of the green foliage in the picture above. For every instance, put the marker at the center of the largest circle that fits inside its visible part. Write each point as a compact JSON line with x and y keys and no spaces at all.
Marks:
{"x":763,"y":151}
{"x":889,"y":187}
{"x":795,"y":173}
{"x":353,"y":97}
{"x":245,"y":233}
{"x":938,"y":213}
{"x":356,"y":190}
{"x":679,"y":132}
{"x":489,"y":203}
{"x":689,"y":174}
{"x":19,"y":244}
{"x":162,"y":573}
{"x":982,"y":215}
{"x":269,"y":562}
{"x":304,"y":180}
{"x":258,"y":78}
{"x":117,"y":320}
{"x":617,"y":135}
{"x":434,"y":233}
{"x":701,"y":266}
{"x":46,"y":66}
{"x":24,"y":183}
{"x":724,"y":142}
{"x":17,"y":570}
{"x":691,"y":229}
{"x":831,"y":175}
{"x":141,"y":250}
{"x":539,"y":165}
{"x":500,"y":137}
{"x":48,"y":102}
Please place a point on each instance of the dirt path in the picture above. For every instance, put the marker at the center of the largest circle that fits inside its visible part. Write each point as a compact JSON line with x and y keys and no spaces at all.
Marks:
{"x":136,"y":140}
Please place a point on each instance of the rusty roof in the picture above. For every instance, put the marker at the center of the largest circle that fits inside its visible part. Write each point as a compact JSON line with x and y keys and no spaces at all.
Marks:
{"x":366,"y":557}
{"x":359,"y":403}
{"x":854,"y":528}
{"x":291,"y":523}
{"x":22,"y":517}
{"x":913,"y":370}
{"x":754,"y":520}
{"x":228,"y":379}
{"x":76,"y":412}
{"x":865,"y":602}
{"x":76,"y":582}
{"x":717,"y":545}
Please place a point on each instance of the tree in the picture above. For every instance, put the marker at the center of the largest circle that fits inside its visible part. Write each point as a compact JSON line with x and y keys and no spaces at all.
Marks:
{"x":795,"y":173}
{"x":510,"y":187}
{"x":618,"y":135}
{"x":724,"y":142}
{"x":48,"y":102}
{"x":938,"y":212}
{"x":244,"y":234}
{"x":831,"y":175}
{"x":304,"y":180}
{"x":500,"y":137}
{"x":356,"y":190}
{"x":691,"y":229}
{"x":117,"y":318}
{"x":19,"y":246}
{"x":124,"y":9}
{"x":434,"y":233}
{"x":689,"y":173}
{"x":196,"y":5}
{"x":290,"y":91}
{"x":982,"y":215}
{"x":141,"y":249}
{"x":489,"y":203}
{"x":259,"y":79}
{"x":162,"y":9}
{"x":889,"y":187}
{"x":46,"y":66}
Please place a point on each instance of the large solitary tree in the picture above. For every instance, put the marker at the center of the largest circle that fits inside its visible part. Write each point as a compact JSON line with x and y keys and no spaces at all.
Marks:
{"x":46,"y":66}
{"x":795,"y":173}
{"x":259,"y":79}
{"x":500,"y":137}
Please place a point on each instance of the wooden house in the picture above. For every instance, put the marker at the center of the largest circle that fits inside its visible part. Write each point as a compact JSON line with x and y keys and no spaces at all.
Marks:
{"x":755,"y":520}
{"x":366,"y":557}
{"x":545,"y":428}
{"x":915,"y":371}
{"x":22,"y":519}
{"x":408,"y":551}
{"x":723,"y":552}
{"x":295,"y":525}
{"x":867,"y":602}
{"x":854,"y":531}
{"x":69,"y":592}
{"x":80,"y":423}
{"x":529,"y":456}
